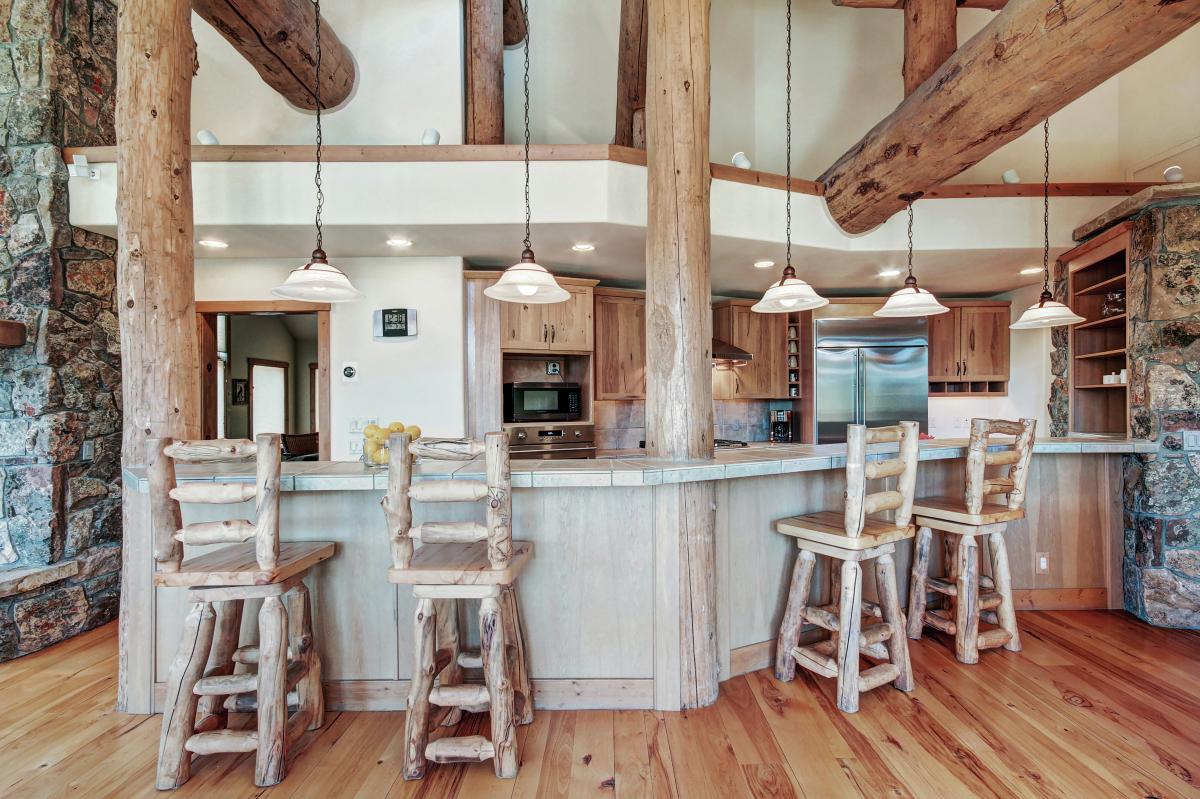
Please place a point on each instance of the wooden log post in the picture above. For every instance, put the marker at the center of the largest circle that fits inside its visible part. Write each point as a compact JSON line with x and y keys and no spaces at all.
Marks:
{"x":416,"y":719}
{"x":930,"y":37}
{"x":271,"y":760}
{"x":484,"y":66}
{"x":1035,"y":57}
{"x":679,"y":411}
{"x":179,"y":705}
{"x":793,"y":615}
{"x":631,"y":74}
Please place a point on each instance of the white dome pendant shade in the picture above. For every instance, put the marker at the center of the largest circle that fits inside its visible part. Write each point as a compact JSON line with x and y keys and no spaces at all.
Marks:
{"x":528,"y":282}
{"x":789,"y":294}
{"x":912,"y":300}
{"x":317,"y":281}
{"x":1046,"y":313}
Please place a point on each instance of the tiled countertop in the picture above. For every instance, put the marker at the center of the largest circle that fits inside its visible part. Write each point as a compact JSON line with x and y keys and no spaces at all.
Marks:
{"x":620,"y":468}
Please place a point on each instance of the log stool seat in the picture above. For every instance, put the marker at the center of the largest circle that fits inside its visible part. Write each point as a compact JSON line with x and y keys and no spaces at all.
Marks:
{"x":850,"y":537}
{"x":459,"y":561}
{"x":966,"y":522}
{"x":278,"y":678}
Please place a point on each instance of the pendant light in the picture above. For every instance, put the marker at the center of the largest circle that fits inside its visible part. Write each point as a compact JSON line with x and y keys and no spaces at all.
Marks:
{"x":789,"y":294}
{"x":318,"y":280}
{"x":1046,"y":312}
{"x":526,"y":281}
{"x":912,"y":300}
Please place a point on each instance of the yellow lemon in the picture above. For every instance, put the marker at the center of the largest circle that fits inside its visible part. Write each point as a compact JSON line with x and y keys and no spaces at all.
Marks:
{"x":414,"y":431}
{"x":375,"y":431}
{"x":396,"y":427}
{"x":370,"y":447}
{"x":381,"y":456}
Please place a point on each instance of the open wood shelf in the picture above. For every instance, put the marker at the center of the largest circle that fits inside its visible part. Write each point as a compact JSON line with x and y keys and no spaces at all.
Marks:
{"x":1102,"y":385}
{"x":1107,"y":321}
{"x":1103,"y":286}
{"x":1105,"y":354}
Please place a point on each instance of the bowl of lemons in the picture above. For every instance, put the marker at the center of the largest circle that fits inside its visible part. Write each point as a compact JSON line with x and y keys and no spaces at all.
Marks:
{"x":375,"y":441}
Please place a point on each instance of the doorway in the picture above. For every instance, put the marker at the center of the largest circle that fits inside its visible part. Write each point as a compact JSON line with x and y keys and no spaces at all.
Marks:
{"x":264,"y":368}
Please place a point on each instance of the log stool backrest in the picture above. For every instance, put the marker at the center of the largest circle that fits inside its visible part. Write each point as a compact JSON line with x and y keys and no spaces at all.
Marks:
{"x":496,"y":491}
{"x":1016,"y":457}
{"x":860,"y":504}
{"x":170,"y":534}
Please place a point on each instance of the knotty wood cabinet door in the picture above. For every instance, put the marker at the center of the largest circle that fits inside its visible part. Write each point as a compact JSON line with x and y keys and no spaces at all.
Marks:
{"x":765,"y":337}
{"x":571,"y":321}
{"x":943,"y":346}
{"x":620,"y":341}
{"x":524,"y":326}
{"x":983,"y":342}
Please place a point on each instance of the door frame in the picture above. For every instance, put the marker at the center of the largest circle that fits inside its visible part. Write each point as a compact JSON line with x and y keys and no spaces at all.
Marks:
{"x":321,"y":309}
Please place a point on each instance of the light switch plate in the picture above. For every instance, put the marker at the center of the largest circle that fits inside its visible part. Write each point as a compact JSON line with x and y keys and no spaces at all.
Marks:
{"x":1191,"y":439}
{"x":1042,"y":563}
{"x":553,"y":368}
{"x":350,"y":372}
{"x":356,"y":445}
{"x":88,"y":450}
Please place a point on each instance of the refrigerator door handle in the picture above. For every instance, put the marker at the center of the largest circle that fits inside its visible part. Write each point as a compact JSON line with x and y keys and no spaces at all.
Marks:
{"x":860,"y":389}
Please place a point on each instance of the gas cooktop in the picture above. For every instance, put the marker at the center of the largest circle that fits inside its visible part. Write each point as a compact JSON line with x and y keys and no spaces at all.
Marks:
{"x":722,"y":443}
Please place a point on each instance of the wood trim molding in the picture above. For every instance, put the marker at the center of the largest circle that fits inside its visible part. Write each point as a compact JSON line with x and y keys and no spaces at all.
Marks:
{"x":958,"y":191}
{"x":990,"y":5}
{"x":1114,"y":232}
{"x":487,"y":274}
{"x":324,"y":421}
{"x":260,"y":306}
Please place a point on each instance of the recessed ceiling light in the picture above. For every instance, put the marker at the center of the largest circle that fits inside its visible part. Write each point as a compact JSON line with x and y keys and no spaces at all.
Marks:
{"x":763,"y":264}
{"x":399,"y":243}
{"x":583,"y":246}
{"x":216,"y":244}
{"x":1032,"y":270}
{"x":889,"y":272}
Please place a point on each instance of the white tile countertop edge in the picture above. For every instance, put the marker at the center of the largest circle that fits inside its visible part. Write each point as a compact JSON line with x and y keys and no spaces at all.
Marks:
{"x":621,"y":469}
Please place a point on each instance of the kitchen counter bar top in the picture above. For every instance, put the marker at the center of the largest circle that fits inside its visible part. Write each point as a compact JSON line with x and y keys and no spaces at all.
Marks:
{"x":620,"y":468}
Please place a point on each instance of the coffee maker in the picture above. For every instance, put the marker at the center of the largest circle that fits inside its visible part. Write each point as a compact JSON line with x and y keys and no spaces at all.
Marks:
{"x":781,"y":427}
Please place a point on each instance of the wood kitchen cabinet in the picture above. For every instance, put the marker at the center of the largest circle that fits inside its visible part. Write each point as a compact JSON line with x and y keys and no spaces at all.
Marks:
{"x":620,"y":340}
{"x":968,"y":349}
{"x":764,"y":335}
{"x":560,"y":326}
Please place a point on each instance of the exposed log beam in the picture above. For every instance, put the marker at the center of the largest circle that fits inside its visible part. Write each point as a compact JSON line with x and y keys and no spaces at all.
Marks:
{"x":990,"y":5}
{"x":930,"y":37}
{"x":514,"y":23}
{"x":276,"y":37}
{"x":484,"y":71}
{"x":1035,"y":57}
{"x":629,"y":130}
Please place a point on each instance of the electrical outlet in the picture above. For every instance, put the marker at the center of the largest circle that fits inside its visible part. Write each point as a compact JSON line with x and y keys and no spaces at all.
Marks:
{"x":1043,"y":563}
{"x":88,"y":451}
{"x":356,"y":445}
{"x":1191,"y":439}
{"x":553,"y":368}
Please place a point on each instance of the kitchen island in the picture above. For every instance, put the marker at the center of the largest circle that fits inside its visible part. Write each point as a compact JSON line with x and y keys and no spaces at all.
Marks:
{"x":600,"y":597}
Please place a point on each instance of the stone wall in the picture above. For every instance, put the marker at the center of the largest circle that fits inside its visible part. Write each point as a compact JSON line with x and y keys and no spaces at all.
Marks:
{"x":60,"y":420}
{"x":1162,"y":490}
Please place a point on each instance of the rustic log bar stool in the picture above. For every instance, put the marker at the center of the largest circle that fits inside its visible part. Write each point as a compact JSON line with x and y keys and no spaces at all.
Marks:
{"x":203,"y":687}
{"x":964,"y":521}
{"x":852,"y":537}
{"x":458,"y":561}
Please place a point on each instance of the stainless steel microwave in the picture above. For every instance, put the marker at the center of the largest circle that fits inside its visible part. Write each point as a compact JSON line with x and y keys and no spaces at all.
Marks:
{"x":542,"y":402}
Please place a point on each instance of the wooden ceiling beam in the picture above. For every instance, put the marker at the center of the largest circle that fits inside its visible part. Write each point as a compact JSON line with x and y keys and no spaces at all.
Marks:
{"x":930,"y":37}
{"x":989,"y":5}
{"x":484,"y":25}
{"x":276,"y":37}
{"x":630,"y":125}
{"x":1035,"y":57}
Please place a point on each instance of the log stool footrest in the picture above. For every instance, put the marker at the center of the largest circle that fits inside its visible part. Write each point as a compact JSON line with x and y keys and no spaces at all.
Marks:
{"x":471,"y":698}
{"x":465,"y":749}
{"x":222,"y":742}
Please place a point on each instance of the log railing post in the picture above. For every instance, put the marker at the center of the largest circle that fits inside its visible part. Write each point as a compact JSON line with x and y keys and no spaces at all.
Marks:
{"x":930,"y":37}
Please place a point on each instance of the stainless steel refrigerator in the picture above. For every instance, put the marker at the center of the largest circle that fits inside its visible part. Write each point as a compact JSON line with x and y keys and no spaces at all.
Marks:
{"x":870,"y":371}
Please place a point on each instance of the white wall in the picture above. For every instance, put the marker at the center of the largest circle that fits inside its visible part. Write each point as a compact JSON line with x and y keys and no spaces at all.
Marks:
{"x":1028,"y":385}
{"x":408,"y":57}
{"x":416,"y":382}
{"x":1160,"y":111}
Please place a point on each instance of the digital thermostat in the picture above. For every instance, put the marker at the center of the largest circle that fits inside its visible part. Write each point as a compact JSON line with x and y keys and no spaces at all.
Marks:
{"x":395,"y":323}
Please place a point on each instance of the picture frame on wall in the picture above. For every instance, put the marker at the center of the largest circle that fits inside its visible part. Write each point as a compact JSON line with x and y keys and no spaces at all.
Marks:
{"x":239,"y":391}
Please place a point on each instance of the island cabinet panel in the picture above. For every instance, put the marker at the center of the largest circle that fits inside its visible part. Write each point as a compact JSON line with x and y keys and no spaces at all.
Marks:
{"x":764,"y":335}
{"x":620,"y":352}
{"x":560,"y":326}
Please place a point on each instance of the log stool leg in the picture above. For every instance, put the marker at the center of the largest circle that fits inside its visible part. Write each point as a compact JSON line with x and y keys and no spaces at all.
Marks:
{"x":966,"y":606}
{"x":849,"y":625}
{"x":1006,"y":614}
{"x":889,"y":606}
{"x":518,"y":667}
{"x":179,"y":710}
{"x":416,"y":720}
{"x":271,"y":758}
{"x":304,"y":645}
{"x":447,"y":641}
{"x":789,"y":628}
{"x":500,"y":689}
{"x":916,"y":590}
{"x":210,"y":711}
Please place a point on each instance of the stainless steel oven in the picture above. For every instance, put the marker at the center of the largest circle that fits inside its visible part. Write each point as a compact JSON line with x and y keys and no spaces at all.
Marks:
{"x":542,"y":402}
{"x":551,"y":442}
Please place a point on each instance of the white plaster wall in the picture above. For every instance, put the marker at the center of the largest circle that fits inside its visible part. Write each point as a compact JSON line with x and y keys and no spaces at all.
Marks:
{"x":408,"y":57}
{"x":1028,"y":385}
{"x":1160,"y":110}
{"x":418,"y":381}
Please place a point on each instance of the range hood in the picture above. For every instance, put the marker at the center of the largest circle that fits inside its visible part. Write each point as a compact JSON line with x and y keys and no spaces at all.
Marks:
{"x":726,"y":355}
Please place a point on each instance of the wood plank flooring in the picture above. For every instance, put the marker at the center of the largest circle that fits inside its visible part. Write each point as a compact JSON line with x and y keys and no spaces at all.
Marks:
{"x":1098,"y":705}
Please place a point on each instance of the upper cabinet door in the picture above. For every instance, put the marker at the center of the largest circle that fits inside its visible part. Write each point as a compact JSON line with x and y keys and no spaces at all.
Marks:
{"x":944,"y":362}
{"x":765,"y":337}
{"x":620,"y":348}
{"x":571,"y":321}
{"x":983,"y":341}
{"x":524,"y":326}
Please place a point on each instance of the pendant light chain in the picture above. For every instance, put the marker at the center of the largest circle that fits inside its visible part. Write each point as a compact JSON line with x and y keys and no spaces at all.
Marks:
{"x":525,"y":13}
{"x":910,"y":237}
{"x":1046,"y":206}
{"x":788,"y":138}
{"x":317,"y":95}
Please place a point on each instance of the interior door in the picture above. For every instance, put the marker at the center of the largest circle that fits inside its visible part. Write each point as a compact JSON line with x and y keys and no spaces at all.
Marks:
{"x":944,"y":361}
{"x":524,"y":326}
{"x":837,"y":392}
{"x":571,"y":321}
{"x":269,"y":397}
{"x":983,"y":340}
{"x":895,"y":386}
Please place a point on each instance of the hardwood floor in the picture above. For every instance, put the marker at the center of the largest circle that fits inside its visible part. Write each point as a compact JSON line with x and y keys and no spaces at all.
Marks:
{"x":1098,"y":705}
